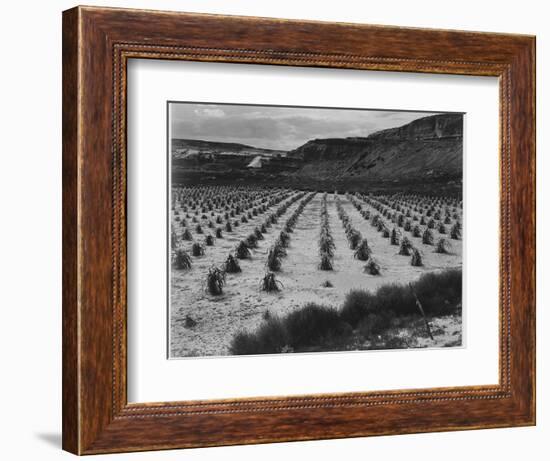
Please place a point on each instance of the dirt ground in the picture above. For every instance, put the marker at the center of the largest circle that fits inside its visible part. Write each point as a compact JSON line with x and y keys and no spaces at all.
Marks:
{"x":202,"y":324}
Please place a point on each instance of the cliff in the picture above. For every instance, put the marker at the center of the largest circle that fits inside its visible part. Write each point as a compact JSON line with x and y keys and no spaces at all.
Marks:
{"x":424,"y":155}
{"x":430,"y":147}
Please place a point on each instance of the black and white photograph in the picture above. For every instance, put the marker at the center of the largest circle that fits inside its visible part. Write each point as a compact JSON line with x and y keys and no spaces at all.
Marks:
{"x":275,"y":230}
{"x":311,"y":229}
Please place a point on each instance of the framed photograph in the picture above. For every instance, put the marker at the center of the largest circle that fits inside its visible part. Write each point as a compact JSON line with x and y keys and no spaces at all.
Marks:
{"x":280,"y":230}
{"x":262,"y":241}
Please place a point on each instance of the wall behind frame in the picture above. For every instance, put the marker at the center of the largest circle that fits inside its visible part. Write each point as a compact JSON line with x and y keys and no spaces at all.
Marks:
{"x":30,"y":235}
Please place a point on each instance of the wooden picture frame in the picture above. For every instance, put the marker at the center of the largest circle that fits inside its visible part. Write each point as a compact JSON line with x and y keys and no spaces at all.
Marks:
{"x":97,"y":43}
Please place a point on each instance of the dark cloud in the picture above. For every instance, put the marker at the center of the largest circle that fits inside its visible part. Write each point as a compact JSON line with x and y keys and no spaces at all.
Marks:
{"x":276,"y":127}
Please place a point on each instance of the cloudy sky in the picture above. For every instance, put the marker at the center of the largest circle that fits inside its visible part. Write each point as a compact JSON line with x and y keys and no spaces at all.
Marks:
{"x":275,"y":127}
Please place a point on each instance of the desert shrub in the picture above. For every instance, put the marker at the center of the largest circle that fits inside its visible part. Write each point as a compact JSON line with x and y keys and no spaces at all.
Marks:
{"x":273,"y":260}
{"x":258,"y":234}
{"x":243,"y":219}
{"x":416,"y":259}
{"x":442,"y":229}
{"x":422,"y":221}
{"x":327,"y":284}
{"x":198,"y":229}
{"x":263,"y":229}
{"x":182,"y":260}
{"x":400,"y":220}
{"x":394,"y":237}
{"x":455,"y":232}
{"x":210,"y":224}
{"x":405,"y":247}
{"x":231,"y":265}
{"x":242,"y":251}
{"x":357,"y":305}
{"x":269,"y":283}
{"x":218,"y":219}
{"x":416,"y":231}
{"x":236,"y":223}
{"x":270,"y":338}
{"x":244,"y":343}
{"x":314,"y":325}
{"x":407,"y":225}
{"x":209,"y":240}
{"x":431,"y":224}
{"x":219,"y":233}
{"x":428,"y":237}
{"x":288,"y":227}
{"x":447,"y":220}
{"x":439,"y":292}
{"x":215,"y":280}
{"x":363,"y":251}
{"x":197,"y":249}
{"x":228,"y":227}
{"x":372,"y":267}
{"x":326,"y":262}
{"x":396,"y":298}
{"x":374,"y":323}
{"x":443,"y":246}
{"x":385,"y":232}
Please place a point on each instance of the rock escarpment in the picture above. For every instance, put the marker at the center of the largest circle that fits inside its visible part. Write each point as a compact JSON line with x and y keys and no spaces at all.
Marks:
{"x":430,"y":147}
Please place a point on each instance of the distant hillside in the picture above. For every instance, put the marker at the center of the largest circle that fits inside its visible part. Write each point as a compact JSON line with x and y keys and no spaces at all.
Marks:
{"x":190,"y":148}
{"x":430,"y":147}
{"x":197,"y":160}
{"x":424,"y":152}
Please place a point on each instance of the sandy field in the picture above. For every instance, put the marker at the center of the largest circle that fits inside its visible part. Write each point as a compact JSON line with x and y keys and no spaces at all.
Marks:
{"x":202,"y":324}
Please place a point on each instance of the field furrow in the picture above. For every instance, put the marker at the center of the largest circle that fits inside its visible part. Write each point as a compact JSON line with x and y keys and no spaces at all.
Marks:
{"x":205,"y":323}
{"x":323,"y":243}
{"x":395,"y":267}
